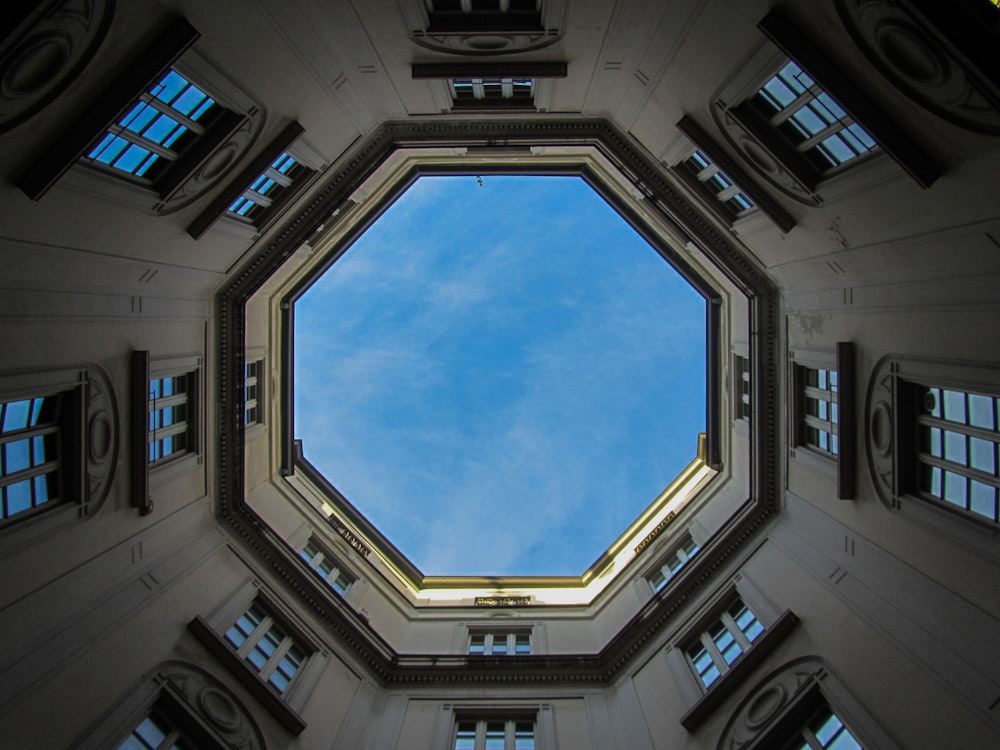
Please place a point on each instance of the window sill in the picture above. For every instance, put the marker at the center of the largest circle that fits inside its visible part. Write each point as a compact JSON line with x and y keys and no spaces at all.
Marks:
{"x":739,"y":671}
{"x":211,"y":640}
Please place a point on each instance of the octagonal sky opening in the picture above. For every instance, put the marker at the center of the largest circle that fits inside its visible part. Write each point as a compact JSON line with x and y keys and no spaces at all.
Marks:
{"x":501,"y":374}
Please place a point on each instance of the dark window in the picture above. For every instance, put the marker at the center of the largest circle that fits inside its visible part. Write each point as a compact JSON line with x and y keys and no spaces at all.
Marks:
{"x":170,"y":417}
{"x":958,"y":440}
{"x":30,"y":434}
{"x":811,"y":120}
{"x":261,"y":194}
{"x":155,"y":132}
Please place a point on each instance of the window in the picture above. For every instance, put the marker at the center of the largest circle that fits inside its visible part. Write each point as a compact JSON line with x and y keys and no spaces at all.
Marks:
{"x":741,"y":388}
{"x":155,"y":131}
{"x":495,"y":734}
{"x":717,"y":184}
{"x":266,"y":647}
{"x":156,"y":732}
{"x":674,"y":562}
{"x":253,"y":384}
{"x":825,"y":730}
{"x":723,"y":642}
{"x":818,"y":408}
{"x":500,"y":644}
{"x":326,"y":567}
{"x":170,"y":417}
{"x":809,"y":118}
{"x":957,"y":456}
{"x":273,"y":181}
{"x":822,"y":415}
{"x":30,"y":435}
{"x":484,"y":15}
{"x":490,"y":93}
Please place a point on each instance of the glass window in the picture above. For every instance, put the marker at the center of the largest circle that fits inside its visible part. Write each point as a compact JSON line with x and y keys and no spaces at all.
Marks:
{"x":673,"y":563}
{"x":253,"y":392}
{"x":495,"y":734}
{"x":957,"y":449}
{"x":723,"y":642}
{"x":825,"y":731}
{"x":500,"y":644}
{"x":154,"y":131}
{"x":327,"y":567}
{"x":266,"y":647}
{"x":819,"y":414}
{"x":170,"y":419}
{"x":717,"y":185}
{"x":156,"y":732}
{"x":491,"y":91}
{"x":810,"y":118}
{"x":263,"y":191}
{"x":29,"y":454}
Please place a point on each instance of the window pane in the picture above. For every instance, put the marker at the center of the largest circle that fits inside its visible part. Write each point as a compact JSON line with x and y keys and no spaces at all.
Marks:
{"x":955,"y":448}
{"x":495,"y":735}
{"x":16,"y":456}
{"x":955,"y":488}
{"x":983,"y":500}
{"x":954,"y":406}
{"x":465,"y":737}
{"x":15,"y":415}
{"x":983,"y":455}
{"x":524,"y":736}
{"x":18,"y":497}
{"x":981,"y":411}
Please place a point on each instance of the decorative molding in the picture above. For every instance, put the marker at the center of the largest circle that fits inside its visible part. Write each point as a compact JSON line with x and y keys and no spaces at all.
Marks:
{"x":333,"y":194}
{"x":53,"y":45}
{"x":916,"y":54}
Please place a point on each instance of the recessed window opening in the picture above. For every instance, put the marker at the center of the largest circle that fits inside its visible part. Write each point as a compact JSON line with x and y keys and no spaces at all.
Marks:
{"x":718,"y":184}
{"x":812,"y":120}
{"x":820,"y":414}
{"x":262,"y":192}
{"x":29,"y":454}
{"x":473,"y":92}
{"x":723,"y":642}
{"x":168,"y":417}
{"x":266,"y":647}
{"x":156,"y":129}
{"x":958,"y":449}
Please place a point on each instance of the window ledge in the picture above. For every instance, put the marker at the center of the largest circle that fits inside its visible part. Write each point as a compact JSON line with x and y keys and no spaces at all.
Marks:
{"x":739,"y":671}
{"x":211,"y":640}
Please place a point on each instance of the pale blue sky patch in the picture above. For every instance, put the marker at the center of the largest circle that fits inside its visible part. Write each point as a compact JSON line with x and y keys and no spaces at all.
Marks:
{"x":500,"y":377}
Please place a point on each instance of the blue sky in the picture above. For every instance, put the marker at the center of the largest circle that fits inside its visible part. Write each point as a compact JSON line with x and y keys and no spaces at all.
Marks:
{"x":500,"y":377}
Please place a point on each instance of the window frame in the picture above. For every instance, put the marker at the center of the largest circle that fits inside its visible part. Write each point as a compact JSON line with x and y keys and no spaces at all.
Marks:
{"x":662,"y":568}
{"x":218,"y":214}
{"x":705,"y":699}
{"x":480,"y":723}
{"x":742,"y":388}
{"x":87,"y":445}
{"x":107,"y":109}
{"x":211,"y":633}
{"x":800,"y":49}
{"x":696,"y":138}
{"x":891,"y":443}
{"x":512,"y":638}
{"x":338,"y":569}
{"x":806,"y":451}
{"x":146,"y":473}
{"x":258,"y":403}
{"x":774,"y":158}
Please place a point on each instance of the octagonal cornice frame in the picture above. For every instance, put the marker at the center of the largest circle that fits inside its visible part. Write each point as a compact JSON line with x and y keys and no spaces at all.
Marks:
{"x":332,"y":193}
